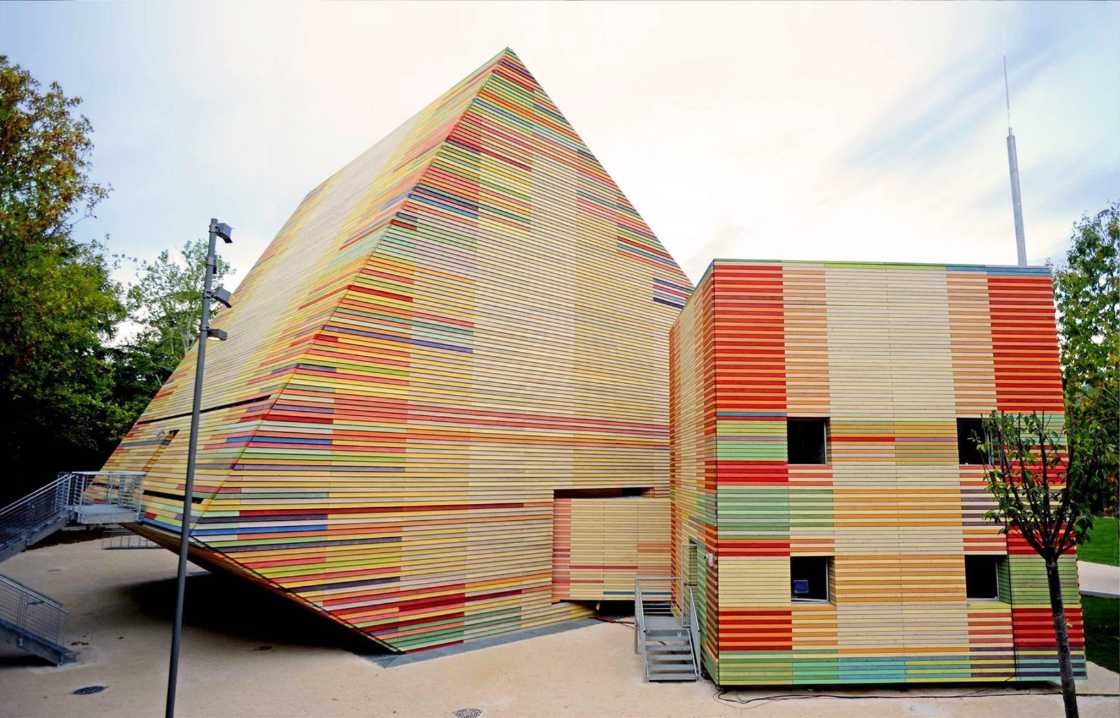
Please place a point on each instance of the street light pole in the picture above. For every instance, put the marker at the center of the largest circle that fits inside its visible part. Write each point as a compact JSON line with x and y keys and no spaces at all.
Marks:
{"x":217,"y":229}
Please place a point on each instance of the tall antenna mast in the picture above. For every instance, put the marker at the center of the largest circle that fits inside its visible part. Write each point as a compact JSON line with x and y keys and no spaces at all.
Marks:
{"x":1007,"y":93}
{"x":1013,"y":168}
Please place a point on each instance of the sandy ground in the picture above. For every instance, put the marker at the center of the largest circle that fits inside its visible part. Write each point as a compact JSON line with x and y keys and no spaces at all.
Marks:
{"x":246,"y":653}
{"x":1098,"y":578}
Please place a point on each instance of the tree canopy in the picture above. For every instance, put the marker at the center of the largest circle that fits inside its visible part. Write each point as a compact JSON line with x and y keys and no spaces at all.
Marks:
{"x":1088,"y":297}
{"x":70,"y":385}
{"x":164,"y":306}
{"x":58,"y":303}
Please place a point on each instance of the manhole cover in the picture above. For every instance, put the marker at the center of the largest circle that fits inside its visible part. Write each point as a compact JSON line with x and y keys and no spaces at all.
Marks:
{"x":88,"y":690}
{"x":467,"y":713}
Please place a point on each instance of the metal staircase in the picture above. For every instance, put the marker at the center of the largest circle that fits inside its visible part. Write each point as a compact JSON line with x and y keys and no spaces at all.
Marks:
{"x":32,"y":621}
{"x":669,"y":644}
{"x":29,"y":619}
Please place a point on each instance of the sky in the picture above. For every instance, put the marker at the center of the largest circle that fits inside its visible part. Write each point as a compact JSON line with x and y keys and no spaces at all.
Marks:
{"x":872,"y":132}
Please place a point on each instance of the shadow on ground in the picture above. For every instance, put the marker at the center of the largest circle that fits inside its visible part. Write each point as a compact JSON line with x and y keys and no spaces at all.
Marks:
{"x":241,"y":610}
{"x":14,"y":658}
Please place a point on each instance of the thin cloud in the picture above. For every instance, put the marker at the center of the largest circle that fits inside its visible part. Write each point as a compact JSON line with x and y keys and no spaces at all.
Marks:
{"x":811,"y":131}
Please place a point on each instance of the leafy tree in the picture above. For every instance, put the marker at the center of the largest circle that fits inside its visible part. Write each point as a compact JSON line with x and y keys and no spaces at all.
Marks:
{"x":1088,"y":297}
{"x":166,"y":301}
{"x":1043,"y":483}
{"x":58,"y":304}
{"x":165,"y":305}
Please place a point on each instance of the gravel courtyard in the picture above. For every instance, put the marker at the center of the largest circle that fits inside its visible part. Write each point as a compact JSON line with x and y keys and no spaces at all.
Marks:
{"x":246,"y":653}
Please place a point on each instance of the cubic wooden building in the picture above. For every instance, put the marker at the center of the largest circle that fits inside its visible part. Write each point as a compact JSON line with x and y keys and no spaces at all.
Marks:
{"x":826,"y":500}
{"x":442,"y":411}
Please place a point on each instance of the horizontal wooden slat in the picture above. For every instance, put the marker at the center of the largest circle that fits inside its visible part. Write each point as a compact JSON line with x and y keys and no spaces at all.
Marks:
{"x":892,"y":355}
{"x":464,"y":320}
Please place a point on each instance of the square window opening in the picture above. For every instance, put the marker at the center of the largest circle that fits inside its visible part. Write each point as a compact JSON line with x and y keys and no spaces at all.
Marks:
{"x":809,"y":578}
{"x":981,"y":576}
{"x":969,"y":431}
{"x":807,"y":441}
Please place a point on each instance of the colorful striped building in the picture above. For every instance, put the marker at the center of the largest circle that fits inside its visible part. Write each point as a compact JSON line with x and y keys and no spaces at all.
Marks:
{"x":447,"y":402}
{"x":442,"y":412}
{"x":824,"y":497}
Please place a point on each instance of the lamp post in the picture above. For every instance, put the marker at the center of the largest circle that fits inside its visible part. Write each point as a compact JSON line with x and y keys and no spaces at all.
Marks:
{"x":223,"y":230}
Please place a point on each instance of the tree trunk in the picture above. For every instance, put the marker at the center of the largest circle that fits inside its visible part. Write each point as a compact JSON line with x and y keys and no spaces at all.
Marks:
{"x":1061,"y":636}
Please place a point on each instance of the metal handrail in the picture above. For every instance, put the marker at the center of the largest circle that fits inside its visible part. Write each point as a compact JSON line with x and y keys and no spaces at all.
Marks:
{"x":658,"y":589}
{"x":693,"y":628}
{"x":24,"y":588}
{"x":48,"y":491}
{"x":61,"y":499}
{"x":639,"y":618}
{"x":48,"y":508}
{"x":119,"y":488}
{"x":25,"y":516}
{"x":31,"y":610}
{"x":667,"y":588}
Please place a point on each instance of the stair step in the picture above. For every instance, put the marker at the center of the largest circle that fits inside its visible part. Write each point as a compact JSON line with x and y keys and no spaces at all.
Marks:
{"x":665,"y":638}
{"x":673,"y":677}
{"x":681,"y":641}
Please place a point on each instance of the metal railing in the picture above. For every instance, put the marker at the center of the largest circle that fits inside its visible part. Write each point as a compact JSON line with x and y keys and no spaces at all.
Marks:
{"x":639,"y":616}
{"x":34,"y":511}
{"x":60,"y":500}
{"x":692,"y":620}
{"x":666,"y":596}
{"x":118,"y":538}
{"x":660,"y":591}
{"x":89,"y":497}
{"x":116,"y":488}
{"x":31,"y":611}
{"x":653,"y":596}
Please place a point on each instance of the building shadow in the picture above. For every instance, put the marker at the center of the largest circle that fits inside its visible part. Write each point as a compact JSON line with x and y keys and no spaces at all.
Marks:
{"x":242,"y":610}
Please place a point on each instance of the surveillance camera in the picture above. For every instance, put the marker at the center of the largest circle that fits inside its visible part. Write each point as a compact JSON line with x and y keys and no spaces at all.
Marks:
{"x":221,"y":295}
{"x":222,"y":229}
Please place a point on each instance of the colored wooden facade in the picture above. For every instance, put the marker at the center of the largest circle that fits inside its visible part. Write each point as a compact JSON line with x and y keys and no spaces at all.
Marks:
{"x":600,"y":545}
{"x":891,"y":355}
{"x":465,"y":323}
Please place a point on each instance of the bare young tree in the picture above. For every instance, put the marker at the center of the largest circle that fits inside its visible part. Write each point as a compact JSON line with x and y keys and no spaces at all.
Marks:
{"x":1043,"y":487}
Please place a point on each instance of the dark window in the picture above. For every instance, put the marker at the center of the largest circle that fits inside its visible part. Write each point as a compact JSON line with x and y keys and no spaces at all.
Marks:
{"x":807,"y":440}
{"x":608,"y":493}
{"x":809,"y":578}
{"x":969,"y":431}
{"x":980,"y":576}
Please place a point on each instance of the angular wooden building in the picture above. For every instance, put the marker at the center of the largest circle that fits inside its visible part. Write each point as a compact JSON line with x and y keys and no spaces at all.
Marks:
{"x":826,"y":500}
{"x":442,"y":411}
